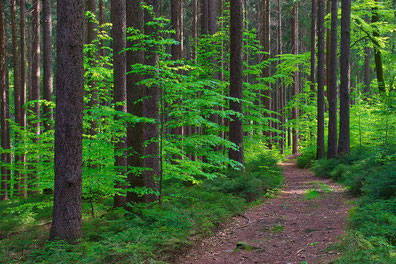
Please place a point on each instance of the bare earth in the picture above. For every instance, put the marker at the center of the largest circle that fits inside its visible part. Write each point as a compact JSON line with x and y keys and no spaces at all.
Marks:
{"x":288,"y":229}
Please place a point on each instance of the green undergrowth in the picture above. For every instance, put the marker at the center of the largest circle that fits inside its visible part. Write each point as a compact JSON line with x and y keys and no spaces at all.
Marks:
{"x":147,"y":233}
{"x":369,"y":173}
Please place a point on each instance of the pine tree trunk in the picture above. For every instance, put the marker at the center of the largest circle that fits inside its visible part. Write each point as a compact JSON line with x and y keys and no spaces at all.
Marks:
{"x":332,"y":89}
{"x":282,"y":88}
{"x":344,"y":138}
{"x":377,"y":51}
{"x":47,"y":62}
{"x":267,"y":70}
{"x":135,"y":140}
{"x":204,"y":17}
{"x":328,"y":50}
{"x":118,"y":19}
{"x":320,"y":78}
{"x":66,"y":224}
{"x":236,"y":79}
{"x":313,"y":45}
{"x":295,"y":77}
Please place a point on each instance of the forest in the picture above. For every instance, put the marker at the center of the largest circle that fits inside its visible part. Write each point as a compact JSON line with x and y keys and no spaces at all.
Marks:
{"x":147,"y":131}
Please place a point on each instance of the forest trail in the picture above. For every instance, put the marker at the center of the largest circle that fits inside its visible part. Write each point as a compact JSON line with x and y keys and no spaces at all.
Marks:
{"x":295,"y":227}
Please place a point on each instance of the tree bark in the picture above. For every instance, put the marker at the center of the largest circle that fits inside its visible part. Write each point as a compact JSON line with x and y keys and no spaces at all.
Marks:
{"x":377,"y":50}
{"x":313,"y":45}
{"x":332,"y":89}
{"x":118,"y":19}
{"x":267,"y":69}
{"x":236,"y":79}
{"x":204,"y":17}
{"x":151,"y":110}
{"x":135,"y":139}
{"x":47,"y":62}
{"x":281,"y":86}
{"x":320,"y":78}
{"x":328,"y":49}
{"x":295,"y":77}
{"x":66,"y":219}
{"x":367,"y":70}
{"x":344,"y":137}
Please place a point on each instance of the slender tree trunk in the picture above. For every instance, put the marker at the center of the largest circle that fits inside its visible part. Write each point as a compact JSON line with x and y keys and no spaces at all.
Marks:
{"x":47,"y":62}
{"x":151,"y":110}
{"x":35,"y":85}
{"x":321,"y":77}
{"x":236,"y":79}
{"x":3,"y":117}
{"x":328,"y":49}
{"x":267,"y":69}
{"x":66,"y":218}
{"x":135,"y":140}
{"x":367,"y":70}
{"x":21,"y":185}
{"x":344,"y":139}
{"x":281,"y":86}
{"x":118,"y":19}
{"x":332,"y":89}
{"x":313,"y":45}
{"x":377,"y":50}
{"x":295,"y":77}
{"x":195,"y":29}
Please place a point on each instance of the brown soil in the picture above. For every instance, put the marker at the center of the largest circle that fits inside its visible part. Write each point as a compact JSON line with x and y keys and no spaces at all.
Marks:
{"x":289,"y":229}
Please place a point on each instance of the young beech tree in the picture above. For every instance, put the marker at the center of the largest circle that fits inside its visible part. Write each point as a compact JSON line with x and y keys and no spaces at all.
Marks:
{"x":236,"y":79}
{"x":66,"y":219}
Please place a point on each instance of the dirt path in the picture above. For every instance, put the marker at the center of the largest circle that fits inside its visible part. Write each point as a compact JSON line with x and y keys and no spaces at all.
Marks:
{"x":294,"y":227}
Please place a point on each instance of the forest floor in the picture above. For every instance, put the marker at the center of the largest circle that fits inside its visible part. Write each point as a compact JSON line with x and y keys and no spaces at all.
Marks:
{"x":297,"y":226}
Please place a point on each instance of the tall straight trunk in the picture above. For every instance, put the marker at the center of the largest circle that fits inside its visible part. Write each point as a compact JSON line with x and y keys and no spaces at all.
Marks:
{"x":151,"y":110}
{"x":328,"y":48}
{"x":367,"y":70}
{"x":266,"y":70}
{"x":344,"y":138}
{"x":195,"y":29}
{"x":21,"y":186}
{"x":204,"y":17}
{"x":3,"y":117}
{"x":281,"y":86}
{"x":66,"y":224}
{"x":295,"y":77}
{"x":236,"y":79}
{"x":118,"y":19}
{"x":332,"y":89}
{"x":35,"y":85}
{"x":377,"y":50}
{"x":135,"y":140}
{"x":320,"y":78}
{"x":313,"y":45}
{"x":47,"y":62}
{"x":15,"y":60}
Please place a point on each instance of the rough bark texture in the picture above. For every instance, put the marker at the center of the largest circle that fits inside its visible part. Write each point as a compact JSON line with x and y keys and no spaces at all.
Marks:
{"x":35,"y":85}
{"x":344,"y":139}
{"x":332,"y":89}
{"x":47,"y":61}
{"x":20,"y":186}
{"x":4,"y":158}
{"x":377,"y":51}
{"x":320,"y":78}
{"x":135,"y":140}
{"x":15,"y":60}
{"x":328,"y":48}
{"x":295,"y":77}
{"x":281,"y":86}
{"x":66,"y":220}
{"x":313,"y":45}
{"x":204,"y":17}
{"x":195,"y":28}
{"x":118,"y":19}
{"x":151,"y":110}
{"x":236,"y":79}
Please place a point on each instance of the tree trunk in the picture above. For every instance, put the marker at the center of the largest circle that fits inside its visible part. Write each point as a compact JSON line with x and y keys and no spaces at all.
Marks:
{"x":236,"y":79}
{"x":195,"y":29}
{"x":151,"y":110}
{"x":118,"y":19}
{"x":313,"y":45}
{"x":332,"y":89}
{"x":35,"y":85}
{"x":320,"y":77}
{"x":281,"y":86}
{"x":295,"y":77}
{"x":21,"y":185}
{"x":344,"y":139}
{"x":135,"y":140}
{"x":101,"y":22}
{"x":377,"y":50}
{"x":47,"y":62}
{"x":66,"y":219}
{"x":328,"y":49}
{"x":367,"y":71}
{"x":4,"y":125}
{"x":204,"y":17}
{"x":267,"y":70}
